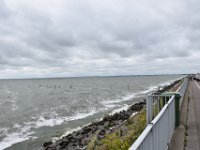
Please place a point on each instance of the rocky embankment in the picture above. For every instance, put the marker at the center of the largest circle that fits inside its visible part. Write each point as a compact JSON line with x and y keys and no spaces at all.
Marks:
{"x":78,"y":140}
{"x":167,"y":87}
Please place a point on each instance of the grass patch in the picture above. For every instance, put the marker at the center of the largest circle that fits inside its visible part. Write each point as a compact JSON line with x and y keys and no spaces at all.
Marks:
{"x":123,"y":137}
{"x":92,"y":143}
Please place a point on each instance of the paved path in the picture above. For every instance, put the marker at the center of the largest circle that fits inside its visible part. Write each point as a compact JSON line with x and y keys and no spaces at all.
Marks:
{"x":190,"y":115}
{"x":177,"y":141}
{"x":194,"y":117}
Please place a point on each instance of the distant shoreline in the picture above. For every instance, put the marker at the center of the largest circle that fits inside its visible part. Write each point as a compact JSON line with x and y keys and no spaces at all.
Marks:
{"x":42,"y":78}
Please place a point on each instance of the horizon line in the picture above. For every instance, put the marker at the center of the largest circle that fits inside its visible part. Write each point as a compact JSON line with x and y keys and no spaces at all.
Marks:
{"x":30,"y":78}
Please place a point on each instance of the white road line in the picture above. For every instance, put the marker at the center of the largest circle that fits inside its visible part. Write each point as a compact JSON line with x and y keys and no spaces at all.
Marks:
{"x":197,"y":84}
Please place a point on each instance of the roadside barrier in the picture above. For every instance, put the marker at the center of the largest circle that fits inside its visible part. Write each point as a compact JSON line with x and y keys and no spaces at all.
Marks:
{"x":162,"y":118}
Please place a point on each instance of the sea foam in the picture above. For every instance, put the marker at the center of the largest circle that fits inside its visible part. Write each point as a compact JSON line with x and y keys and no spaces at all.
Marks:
{"x":26,"y":132}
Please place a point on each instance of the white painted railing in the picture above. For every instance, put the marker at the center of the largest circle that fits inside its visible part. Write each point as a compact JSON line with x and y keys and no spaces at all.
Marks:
{"x":182,"y":89}
{"x":158,"y":132}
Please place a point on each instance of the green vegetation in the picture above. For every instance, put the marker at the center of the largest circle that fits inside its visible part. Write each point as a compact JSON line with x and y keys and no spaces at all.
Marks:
{"x":92,"y":143}
{"x":123,"y":137}
{"x":155,"y":110}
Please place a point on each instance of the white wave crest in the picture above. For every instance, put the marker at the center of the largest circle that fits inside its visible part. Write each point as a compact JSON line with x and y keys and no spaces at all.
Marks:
{"x":26,"y":132}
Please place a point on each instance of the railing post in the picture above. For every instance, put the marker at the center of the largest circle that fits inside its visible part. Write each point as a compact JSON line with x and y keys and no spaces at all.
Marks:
{"x":177,"y":111}
{"x":149,"y":109}
{"x":177,"y":105}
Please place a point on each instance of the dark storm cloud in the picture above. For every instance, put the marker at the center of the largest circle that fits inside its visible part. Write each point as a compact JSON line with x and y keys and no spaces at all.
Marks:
{"x":93,"y":37}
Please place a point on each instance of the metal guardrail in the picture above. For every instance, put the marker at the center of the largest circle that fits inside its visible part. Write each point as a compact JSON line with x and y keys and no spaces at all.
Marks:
{"x":182,"y":89}
{"x":158,"y":132}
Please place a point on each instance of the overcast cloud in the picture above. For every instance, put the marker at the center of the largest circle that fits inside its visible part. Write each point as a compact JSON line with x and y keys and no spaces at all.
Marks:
{"x":62,"y":38}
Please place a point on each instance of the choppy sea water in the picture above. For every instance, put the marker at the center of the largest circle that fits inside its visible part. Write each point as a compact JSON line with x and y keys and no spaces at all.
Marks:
{"x":35,"y":110}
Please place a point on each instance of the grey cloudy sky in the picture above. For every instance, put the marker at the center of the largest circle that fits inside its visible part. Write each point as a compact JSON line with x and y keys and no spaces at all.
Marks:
{"x":62,"y":38}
